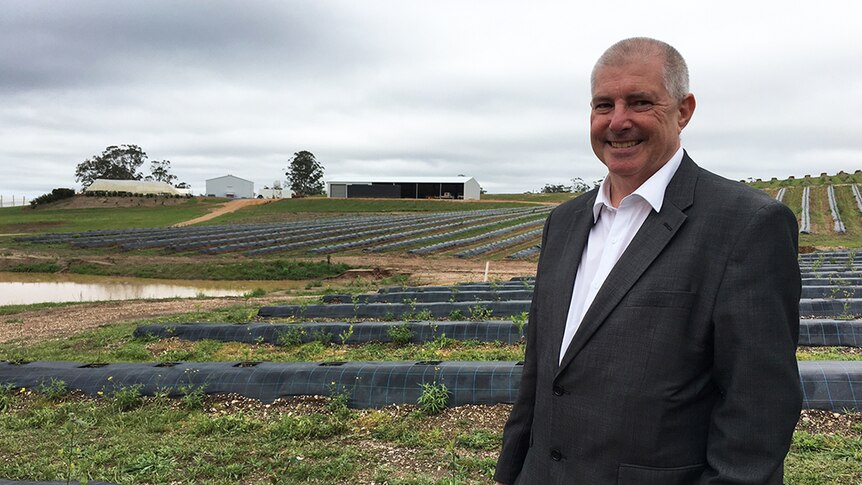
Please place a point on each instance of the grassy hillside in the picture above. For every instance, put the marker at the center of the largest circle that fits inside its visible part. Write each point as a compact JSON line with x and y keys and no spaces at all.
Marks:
{"x":59,"y":218}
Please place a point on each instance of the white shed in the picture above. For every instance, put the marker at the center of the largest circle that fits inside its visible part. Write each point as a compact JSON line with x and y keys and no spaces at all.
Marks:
{"x":142,"y":187}
{"x":231,"y":187}
{"x":466,"y":188}
{"x":267,"y":193}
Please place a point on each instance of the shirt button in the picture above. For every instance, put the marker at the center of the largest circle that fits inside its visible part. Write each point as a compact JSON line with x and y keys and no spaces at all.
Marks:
{"x":556,"y":455}
{"x":559,"y":391}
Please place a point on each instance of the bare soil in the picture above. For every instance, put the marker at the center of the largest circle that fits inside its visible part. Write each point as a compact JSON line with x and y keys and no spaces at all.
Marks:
{"x":230,"y":206}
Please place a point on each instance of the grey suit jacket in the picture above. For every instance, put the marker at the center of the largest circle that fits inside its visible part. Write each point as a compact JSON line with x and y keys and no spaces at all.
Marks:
{"x":684,"y":369}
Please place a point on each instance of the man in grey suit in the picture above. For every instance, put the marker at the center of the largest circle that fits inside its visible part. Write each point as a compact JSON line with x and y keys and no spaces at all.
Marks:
{"x":663,"y":328}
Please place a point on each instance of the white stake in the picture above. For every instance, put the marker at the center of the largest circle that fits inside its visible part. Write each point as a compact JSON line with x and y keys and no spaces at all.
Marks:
{"x":487,"y":265}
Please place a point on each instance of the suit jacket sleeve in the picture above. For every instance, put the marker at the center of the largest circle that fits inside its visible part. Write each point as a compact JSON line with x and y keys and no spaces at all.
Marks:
{"x":756,"y":329}
{"x":516,"y":434}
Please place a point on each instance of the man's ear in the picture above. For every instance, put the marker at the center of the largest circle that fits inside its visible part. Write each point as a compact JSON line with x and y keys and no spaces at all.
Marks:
{"x":686,"y":109}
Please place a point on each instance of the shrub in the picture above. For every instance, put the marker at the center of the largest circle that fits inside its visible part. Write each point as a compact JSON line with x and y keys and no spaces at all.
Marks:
{"x":400,"y":334}
{"x":53,"y":196}
{"x":291,"y":338}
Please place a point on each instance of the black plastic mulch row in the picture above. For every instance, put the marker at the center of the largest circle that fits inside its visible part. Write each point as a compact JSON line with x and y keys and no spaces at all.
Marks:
{"x":844,"y":333}
{"x":398,"y":311}
{"x":431,"y":296}
{"x":282,"y":333}
{"x":829,"y":385}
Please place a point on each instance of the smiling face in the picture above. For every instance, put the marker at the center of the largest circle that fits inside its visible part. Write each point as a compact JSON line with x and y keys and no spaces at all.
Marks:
{"x":634,"y":122}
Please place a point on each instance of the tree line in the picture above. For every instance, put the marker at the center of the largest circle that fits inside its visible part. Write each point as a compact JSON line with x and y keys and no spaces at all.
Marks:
{"x":304,"y":173}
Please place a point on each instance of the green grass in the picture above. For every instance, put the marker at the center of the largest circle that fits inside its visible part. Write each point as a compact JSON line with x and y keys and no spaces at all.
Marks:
{"x":259,"y":269}
{"x":15,"y":309}
{"x":558,"y":198}
{"x":307,"y":441}
{"x":290,"y":208}
{"x":824,"y":459}
{"x":35,"y":267}
{"x":25,"y":219}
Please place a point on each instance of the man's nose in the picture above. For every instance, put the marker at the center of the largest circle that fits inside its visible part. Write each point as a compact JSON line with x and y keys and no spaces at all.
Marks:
{"x":620,"y":119}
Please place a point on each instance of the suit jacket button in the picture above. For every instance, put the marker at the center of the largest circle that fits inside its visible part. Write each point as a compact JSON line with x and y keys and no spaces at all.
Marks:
{"x":559,"y":391}
{"x":556,"y":455}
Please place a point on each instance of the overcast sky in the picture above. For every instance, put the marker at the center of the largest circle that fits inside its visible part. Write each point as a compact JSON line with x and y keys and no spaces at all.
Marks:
{"x":497,"y":90}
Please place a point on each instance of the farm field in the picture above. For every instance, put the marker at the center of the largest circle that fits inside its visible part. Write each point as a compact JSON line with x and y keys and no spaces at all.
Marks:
{"x":130,"y":433}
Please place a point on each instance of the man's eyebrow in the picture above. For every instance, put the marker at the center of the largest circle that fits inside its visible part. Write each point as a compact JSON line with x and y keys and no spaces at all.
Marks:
{"x":640,"y":95}
{"x":600,"y":98}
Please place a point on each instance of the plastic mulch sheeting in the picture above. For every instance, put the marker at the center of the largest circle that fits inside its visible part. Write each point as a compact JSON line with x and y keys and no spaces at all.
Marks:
{"x":813,"y":307}
{"x":829,"y":385}
{"x":433,"y":296}
{"x":846,"y":333}
{"x":369,"y":384}
{"x":363,"y":332}
{"x":833,"y":385}
{"x":389,"y":311}
{"x":814,"y":332}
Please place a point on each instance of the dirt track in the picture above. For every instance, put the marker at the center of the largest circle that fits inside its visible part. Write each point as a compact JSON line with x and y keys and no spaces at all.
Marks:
{"x":230,"y":206}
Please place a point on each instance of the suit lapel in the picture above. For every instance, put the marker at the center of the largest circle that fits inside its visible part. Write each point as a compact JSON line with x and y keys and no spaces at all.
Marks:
{"x":577,"y":232}
{"x":656,"y":232}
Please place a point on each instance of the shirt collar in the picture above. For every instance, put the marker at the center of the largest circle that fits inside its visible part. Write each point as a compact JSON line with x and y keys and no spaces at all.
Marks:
{"x":652,"y":190}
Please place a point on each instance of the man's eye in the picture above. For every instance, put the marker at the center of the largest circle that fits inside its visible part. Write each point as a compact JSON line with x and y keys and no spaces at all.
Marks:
{"x":641,"y":104}
{"x":603,"y":107}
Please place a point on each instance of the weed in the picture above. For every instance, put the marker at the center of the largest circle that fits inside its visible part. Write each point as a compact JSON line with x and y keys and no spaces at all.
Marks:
{"x":442,"y":341}
{"x":456,"y":314}
{"x":192,"y":395}
{"x":313,"y":284}
{"x":255,"y":293}
{"x":228,"y":424}
{"x":6,"y":396}
{"x":37,"y":267}
{"x":127,"y":398}
{"x":434,"y":398}
{"x":480,"y":439}
{"x":53,"y":389}
{"x":400,"y":334}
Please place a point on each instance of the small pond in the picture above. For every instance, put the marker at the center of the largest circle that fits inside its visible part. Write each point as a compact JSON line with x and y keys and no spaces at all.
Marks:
{"x":22,"y":289}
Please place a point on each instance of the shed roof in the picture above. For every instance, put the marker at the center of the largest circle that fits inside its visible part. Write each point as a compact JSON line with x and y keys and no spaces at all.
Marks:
{"x":406,"y":180}
{"x":132,"y":186}
{"x":231,"y":176}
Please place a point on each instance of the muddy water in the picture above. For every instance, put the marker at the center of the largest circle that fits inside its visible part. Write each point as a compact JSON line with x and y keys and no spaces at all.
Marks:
{"x":18,"y":288}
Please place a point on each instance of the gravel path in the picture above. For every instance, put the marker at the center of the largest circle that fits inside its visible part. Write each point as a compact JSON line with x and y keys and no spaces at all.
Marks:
{"x":64,"y":321}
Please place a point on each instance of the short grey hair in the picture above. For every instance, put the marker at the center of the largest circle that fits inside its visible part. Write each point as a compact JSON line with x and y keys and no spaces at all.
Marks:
{"x":675,"y":69}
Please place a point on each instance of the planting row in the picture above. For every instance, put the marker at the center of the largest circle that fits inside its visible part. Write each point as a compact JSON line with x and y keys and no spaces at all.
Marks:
{"x":830,"y":385}
{"x":319,"y":236}
{"x":814,"y":332}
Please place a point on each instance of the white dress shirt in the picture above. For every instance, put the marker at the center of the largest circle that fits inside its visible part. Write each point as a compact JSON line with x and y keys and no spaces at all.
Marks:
{"x":613,"y":230}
